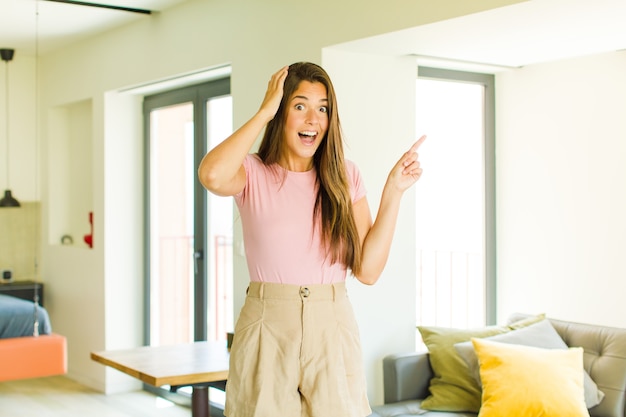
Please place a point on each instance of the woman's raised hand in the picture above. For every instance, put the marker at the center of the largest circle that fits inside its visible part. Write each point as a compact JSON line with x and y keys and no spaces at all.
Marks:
{"x":407,"y":170}
{"x":274,"y":93}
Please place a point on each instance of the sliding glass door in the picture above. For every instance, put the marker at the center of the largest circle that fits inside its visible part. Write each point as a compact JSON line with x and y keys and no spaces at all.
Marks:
{"x":188,"y":233}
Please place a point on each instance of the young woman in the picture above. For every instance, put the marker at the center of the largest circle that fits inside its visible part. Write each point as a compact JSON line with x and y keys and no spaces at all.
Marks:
{"x":306,"y":222}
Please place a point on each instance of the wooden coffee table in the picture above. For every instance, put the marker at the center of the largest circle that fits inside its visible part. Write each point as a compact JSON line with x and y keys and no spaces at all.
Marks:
{"x":193,"y":364}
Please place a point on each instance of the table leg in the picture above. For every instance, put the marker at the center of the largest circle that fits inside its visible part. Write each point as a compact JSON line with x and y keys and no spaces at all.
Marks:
{"x":200,"y":401}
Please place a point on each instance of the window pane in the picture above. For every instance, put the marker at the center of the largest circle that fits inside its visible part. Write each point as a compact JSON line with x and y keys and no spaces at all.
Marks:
{"x":451,"y":205}
{"x":172,"y":242}
{"x":220,"y":233}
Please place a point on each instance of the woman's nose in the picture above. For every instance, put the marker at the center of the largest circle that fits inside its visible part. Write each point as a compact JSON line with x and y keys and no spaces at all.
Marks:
{"x":312,"y":116}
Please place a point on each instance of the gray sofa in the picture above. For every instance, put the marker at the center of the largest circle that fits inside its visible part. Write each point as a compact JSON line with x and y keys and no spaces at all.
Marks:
{"x":406,"y":377}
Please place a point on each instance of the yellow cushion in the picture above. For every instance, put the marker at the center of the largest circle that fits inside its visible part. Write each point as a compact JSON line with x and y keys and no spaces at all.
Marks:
{"x":522,"y":381}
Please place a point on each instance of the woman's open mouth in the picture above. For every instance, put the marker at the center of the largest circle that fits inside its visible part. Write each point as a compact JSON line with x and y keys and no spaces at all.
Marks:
{"x":308,"y":137}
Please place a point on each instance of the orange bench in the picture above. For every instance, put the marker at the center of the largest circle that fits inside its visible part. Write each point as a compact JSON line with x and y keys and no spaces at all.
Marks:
{"x":32,"y":357}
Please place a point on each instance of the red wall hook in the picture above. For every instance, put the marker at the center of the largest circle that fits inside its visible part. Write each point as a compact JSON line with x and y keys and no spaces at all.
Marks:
{"x":89,"y":238}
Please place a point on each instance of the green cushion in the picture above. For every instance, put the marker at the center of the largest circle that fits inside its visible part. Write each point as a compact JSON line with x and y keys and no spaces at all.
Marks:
{"x":453,"y":388}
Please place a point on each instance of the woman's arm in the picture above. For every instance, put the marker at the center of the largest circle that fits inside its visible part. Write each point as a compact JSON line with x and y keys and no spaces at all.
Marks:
{"x":376,"y":237}
{"x":221,"y":170}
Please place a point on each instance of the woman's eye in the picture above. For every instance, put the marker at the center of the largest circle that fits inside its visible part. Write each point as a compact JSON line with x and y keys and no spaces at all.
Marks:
{"x":299,"y":107}
{"x":324,"y":109}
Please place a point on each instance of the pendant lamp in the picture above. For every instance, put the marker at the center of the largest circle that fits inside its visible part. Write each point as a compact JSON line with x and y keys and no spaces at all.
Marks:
{"x":8,"y":200}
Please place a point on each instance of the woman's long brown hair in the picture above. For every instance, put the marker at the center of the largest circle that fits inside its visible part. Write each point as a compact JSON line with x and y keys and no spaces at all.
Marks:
{"x":333,"y":204}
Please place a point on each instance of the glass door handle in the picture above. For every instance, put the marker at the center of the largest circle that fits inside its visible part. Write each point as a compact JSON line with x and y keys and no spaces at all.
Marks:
{"x":197,"y":257}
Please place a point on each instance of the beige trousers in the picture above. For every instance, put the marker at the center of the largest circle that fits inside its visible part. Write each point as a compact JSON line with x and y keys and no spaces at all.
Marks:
{"x":296,"y":352}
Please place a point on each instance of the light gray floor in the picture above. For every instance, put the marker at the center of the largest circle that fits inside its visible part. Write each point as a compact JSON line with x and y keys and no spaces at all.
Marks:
{"x":58,"y":396}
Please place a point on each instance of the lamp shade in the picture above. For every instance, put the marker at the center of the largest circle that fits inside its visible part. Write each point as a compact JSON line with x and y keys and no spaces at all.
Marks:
{"x":8,"y":200}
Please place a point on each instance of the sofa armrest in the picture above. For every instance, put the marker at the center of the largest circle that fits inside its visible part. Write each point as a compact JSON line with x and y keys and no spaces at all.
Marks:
{"x":406,"y":376}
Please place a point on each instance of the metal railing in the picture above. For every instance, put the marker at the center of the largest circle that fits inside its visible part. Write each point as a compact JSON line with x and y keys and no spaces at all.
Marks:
{"x":450,"y":289}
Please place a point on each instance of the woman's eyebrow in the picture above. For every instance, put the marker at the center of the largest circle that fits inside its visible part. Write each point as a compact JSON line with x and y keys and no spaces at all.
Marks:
{"x":324,"y":100}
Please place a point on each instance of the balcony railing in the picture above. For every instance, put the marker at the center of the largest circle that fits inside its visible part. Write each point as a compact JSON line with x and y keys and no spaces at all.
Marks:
{"x":450,"y":289}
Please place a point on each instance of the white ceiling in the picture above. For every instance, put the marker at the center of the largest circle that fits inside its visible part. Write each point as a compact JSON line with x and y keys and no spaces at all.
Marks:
{"x":513,"y":36}
{"x":58,"y":24}
{"x":529,"y":32}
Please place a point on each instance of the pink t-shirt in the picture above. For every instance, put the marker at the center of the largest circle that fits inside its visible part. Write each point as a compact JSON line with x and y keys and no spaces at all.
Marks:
{"x":282,"y":245}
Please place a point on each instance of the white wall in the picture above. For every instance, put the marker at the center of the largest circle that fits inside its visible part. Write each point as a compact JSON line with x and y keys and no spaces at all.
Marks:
{"x":561,"y":189}
{"x":94,"y":294}
{"x":21,"y":127}
{"x":378,"y":117}
{"x":123,"y":227}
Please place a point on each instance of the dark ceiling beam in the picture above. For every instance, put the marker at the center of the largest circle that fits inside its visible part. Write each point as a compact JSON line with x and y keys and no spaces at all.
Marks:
{"x":104,"y":6}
